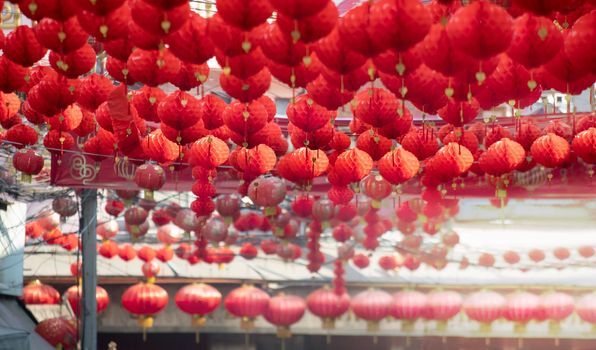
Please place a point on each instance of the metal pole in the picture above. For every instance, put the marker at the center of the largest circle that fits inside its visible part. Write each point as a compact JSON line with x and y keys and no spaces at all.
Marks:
{"x":89,"y":311}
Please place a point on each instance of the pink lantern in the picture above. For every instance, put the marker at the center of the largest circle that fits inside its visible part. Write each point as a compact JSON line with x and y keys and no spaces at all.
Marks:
{"x":484,"y":307}
{"x":442,"y":306}
{"x":586,"y":308}
{"x":169,"y":234}
{"x":408,"y":305}
{"x":372,"y":305}
{"x":556,"y":306}
{"x":521,"y":308}
{"x":267,"y":192}
{"x":108,"y":229}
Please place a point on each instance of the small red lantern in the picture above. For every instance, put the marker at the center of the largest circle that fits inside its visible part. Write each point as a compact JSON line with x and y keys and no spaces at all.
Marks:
{"x":267,"y":192}
{"x":283,"y":311}
{"x":442,"y":306}
{"x":73,"y":295}
{"x":521,"y":308}
{"x":408,"y":305}
{"x":198,"y":300}
{"x":484,"y":307}
{"x":247,"y":302}
{"x":38,"y":293}
{"x":373,"y":306}
{"x":327,"y":305}
{"x":59,"y":332}
{"x":550,"y":150}
{"x":145,"y":300}
{"x":556,"y":307}
{"x":375,"y":187}
{"x":28,"y":162}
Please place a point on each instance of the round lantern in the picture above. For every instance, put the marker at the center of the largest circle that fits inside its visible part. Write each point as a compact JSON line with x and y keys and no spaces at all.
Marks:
{"x":145,"y":300}
{"x":442,"y":306}
{"x":267,"y":192}
{"x":550,"y":150}
{"x":398,"y":166}
{"x":28,"y":162}
{"x":584,"y":145}
{"x":408,"y":305}
{"x":556,"y":307}
{"x":198,"y":300}
{"x":521,"y":308}
{"x":586,"y":308}
{"x":60,"y":332}
{"x":376,"y":188}
{"x":36,"y":293}
{"x":327,"y":305}
{"x":66,"y":207}
{"x":373,"y":306}
{"x":247,"y":302}
{"x":74,"y":293}
{"x":283,"y":311}
{"x":484,"y":307}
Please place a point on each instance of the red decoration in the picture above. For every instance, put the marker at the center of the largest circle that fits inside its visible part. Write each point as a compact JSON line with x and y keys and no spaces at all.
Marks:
{"x":145,"y":300}
{"x":522,"y":307}
{"x":399,"y":24}
{"x":484,"y":306}
{"x":59,"y":332}
{"x":502,"y":157}
{"x":481,"y":30}
{"x":283,"y":311}
{"x":36,"y":293}
{"x":408,"y":305}
{"x":247,"y":302}
{"x":198,"y":300}
{"x":21,"y":46}
{"x":73,"y":295}
{"x":443,"y":305}
{"x":327,"y":305}
{"x":550,"y":150}
{"x":372,"y":305}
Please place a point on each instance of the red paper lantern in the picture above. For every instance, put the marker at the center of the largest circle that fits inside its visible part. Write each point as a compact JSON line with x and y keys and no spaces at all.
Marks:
{"x":298,"y":9}
{"x":550,"y":150}
{"x":248,"y":251}
{"x":502,"y":157}
{"x":307,"y":115}
{"x":179,"y":110}
{"x":283,"y":311}
{"x":584,"y":145}
{"x":579,"y":36}
{"x":73,"y":295}
{"x":152,"y":68}
{"x":586,"y":251}
{"x":52,"y":95}
{"x":372,"y":305}
{"x":198,"y":300}
{"x":245,"y":119}
{"x":150,"y":177}
{"x":37,"y":293}
{"x":334,"y":52}
{"x":484,"y":307}
{"x":311,"y":28}
{"x":244,"y":14}
{"x":247,"y":302}
{"x":481,"y":30}
{"x":60,"y":37}
{"x":267,"y":192}
{"x":74,"y":64}
{"x":585,"y":307}
{"x":159,"y":21}
{"x":108,"y":26}
{"x":328,"y":95}
{"x":408,"y":305}
{"x":556,"y":306}
{"x":21,"y":46}
{"x":443,"y":305}
{"x":60,"y":332}
{"x":127,"y":252}
{"x":398,"y":166}
{"x":522,"y":307}
{"x":145,"y":300}
{"x":399,"y":24}
{"x":209,"y":152}
{"x":327,"y":305}
{"x":535,"y":41}
{"x":249,"y":89}
{"x":355,"y":27}
{"x":361,"y":261}
{"x":352,"y":165}
{"x":422,"y":143}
